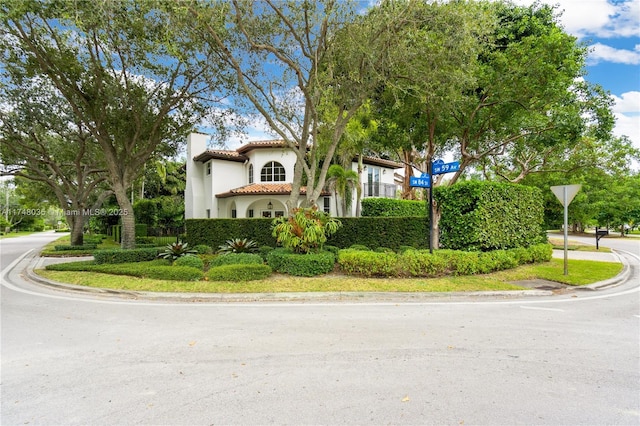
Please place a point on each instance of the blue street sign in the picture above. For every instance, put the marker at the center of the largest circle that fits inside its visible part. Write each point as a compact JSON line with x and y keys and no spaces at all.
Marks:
{"x":440,"y":167}
{"x":420,"y":182}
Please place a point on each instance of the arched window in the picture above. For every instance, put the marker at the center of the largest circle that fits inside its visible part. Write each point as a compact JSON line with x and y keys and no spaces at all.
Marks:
{"x":250,"y":173}
{"x":272,"y":172}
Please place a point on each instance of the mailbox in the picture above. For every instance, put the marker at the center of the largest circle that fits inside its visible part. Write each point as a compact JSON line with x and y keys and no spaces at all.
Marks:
{"x":599,"y":234}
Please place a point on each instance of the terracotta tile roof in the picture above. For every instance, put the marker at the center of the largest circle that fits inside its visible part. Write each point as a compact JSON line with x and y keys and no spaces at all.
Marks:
{"x":220,"y":155}
{"x":263,"y":189}
{"x":381,"y":162}
{"x":276,"y":143}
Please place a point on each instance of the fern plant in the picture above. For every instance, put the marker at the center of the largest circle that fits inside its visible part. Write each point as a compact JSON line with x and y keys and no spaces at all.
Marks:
{"x":307,"y":230}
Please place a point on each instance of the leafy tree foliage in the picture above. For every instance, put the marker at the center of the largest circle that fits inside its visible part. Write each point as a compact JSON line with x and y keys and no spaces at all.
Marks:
{"x":44,"y":142}
{"x":294,"y":61}
{"x":127,"y":70}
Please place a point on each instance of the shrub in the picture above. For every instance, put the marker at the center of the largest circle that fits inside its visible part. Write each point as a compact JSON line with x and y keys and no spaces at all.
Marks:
{"x":367,"y":263}
{"x":386,"y":207}
{"x":286,"y":261}
{"x":139,"y":269}
{"x":125,"y":256}
{"x":541,"y":252}
{"x":238,"y":245}
{"x":331,"y":249}
{"x":236,"y":259}
{"x":176,"y":250}
{"x":421,"y":263}
{"x":214,"y":232}
{"x":383,"y":250}
{"x":82,"y":265}
{"x":489,"y":216}
{"x":306,"y":230}
{"x":460,"y":262}
{"x":82,"y":247}
{"x":145,"y":240}
{"x":402,"y":249}
{"x":359,"y":247}
{"x":193,"y":261}
{"x":264,"y":252}
{"x":203,"y":249}
{"x":239,"y":272}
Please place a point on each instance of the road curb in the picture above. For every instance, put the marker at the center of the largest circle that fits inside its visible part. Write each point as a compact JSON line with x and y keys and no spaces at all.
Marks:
{"x":611,"y":282}
{"x":302,"y":297}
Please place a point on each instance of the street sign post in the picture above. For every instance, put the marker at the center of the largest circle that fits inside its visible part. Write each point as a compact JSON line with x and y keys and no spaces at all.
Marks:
{"x":423,"y":181}
{"x":565,"y":194}
{"x":439,"y":167}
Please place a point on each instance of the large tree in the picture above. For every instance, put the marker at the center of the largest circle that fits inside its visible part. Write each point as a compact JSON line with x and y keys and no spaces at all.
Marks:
{"x":529,"y":104}
{"x":294,"y":60}
{"x":127,"y":69}
{"x":43,"y":141}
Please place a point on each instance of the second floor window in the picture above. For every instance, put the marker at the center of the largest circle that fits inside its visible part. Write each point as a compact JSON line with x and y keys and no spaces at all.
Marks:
{"x":272,"y":172}
{"x":250,"y":173}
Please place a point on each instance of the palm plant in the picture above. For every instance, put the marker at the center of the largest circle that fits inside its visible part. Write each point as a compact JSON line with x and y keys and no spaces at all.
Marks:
{"x":342,"y":181}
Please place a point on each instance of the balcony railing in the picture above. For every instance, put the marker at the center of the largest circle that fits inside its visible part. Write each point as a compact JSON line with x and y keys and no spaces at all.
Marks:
{"x":377,"y":189}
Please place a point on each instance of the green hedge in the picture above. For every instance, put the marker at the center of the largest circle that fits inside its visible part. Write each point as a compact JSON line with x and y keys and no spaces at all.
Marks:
{"x":239,"y":272}
{"x":385,"y":207}
{"x":193,"y":261}
{"x":422,"y":263}
{"x":215,"y":232}
{"x":82,"y":247}
{"x":125,"y":256}
{"x":237,"y":259}
{"x":139,"y":269}
{"x":489,"y":216}
{"x":374,"y":232}
{"x":304,"y":265}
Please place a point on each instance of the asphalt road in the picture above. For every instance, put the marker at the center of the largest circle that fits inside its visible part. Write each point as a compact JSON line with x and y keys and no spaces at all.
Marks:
{"x":563,"y":359}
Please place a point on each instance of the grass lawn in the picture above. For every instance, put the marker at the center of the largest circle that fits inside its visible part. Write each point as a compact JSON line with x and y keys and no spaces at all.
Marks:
{"x":50,"y":251}
{"x":580,"y":272}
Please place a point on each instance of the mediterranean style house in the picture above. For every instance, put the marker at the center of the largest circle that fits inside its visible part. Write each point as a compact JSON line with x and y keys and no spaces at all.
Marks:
{"x":255,"y":180}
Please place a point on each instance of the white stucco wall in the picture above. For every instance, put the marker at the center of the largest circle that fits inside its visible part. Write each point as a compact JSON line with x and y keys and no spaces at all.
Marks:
{"x":194,"y":195}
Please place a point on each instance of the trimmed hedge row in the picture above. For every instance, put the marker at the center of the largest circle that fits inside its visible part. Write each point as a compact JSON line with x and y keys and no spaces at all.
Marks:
{"x":303,"y":265}
{"x":140,"y":270}
{"x":215,"y":232}
{"x":82,"y":247}
{"x":386,"y":207}
{"x":125,"y":256}
{"x":489,"y":216}
{"x":421,"y":263}
{"x":245,"y":272}
{"x":236,"y":259}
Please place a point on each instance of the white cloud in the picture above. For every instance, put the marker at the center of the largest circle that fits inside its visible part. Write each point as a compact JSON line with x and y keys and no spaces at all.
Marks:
{"x":628,"y":102}
{"x":602,"y":53}
{"x":627,"y":112}
{"x":599,"y":18}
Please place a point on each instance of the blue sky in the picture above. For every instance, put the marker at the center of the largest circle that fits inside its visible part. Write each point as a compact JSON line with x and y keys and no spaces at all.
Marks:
{"x":611,"y":29}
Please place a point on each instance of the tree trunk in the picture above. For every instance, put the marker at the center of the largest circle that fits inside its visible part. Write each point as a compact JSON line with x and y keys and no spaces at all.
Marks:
{"x":359,"y":187}
{"x":435,"y":229}
{"x":76,"y":224}
{"x":127,"y":217}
